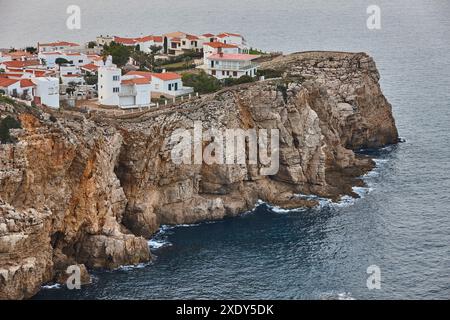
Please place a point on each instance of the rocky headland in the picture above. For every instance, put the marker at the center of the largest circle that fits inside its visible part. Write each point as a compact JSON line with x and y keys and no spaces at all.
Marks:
{"x":90,"y":190}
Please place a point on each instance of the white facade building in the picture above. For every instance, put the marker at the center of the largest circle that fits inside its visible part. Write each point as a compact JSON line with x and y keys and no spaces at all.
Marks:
{"x":224,"y":66}
{"x":73,"y":58}
{"x":210,"y":48}
{"x":128,"y":91}
{"x":233,"y":38}
{"x":47,"y":91}
{"x":168,"y":84}
{"x":58,"y":46}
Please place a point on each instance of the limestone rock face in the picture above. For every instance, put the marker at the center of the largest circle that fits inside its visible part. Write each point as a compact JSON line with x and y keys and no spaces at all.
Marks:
{"x":25,"y":251}
{"x":98,"y":187}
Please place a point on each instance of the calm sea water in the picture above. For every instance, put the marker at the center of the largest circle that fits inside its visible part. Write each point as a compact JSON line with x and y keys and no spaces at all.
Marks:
{"x":402,"y":222}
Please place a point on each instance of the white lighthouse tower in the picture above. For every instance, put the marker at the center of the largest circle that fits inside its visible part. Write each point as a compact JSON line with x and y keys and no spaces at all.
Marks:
{"x":109,"y":78}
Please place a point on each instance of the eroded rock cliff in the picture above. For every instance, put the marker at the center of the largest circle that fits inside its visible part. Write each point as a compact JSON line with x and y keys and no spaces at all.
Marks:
{"x":82,"y":189}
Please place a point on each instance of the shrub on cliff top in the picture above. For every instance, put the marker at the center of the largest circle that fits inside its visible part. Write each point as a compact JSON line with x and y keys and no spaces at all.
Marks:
{"x":5,"y":125}
{"x":202,"y":83}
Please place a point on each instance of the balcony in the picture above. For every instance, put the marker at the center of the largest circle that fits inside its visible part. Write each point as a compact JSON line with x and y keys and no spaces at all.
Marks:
{"x":128,"y":93}
{"x":231,"y":67}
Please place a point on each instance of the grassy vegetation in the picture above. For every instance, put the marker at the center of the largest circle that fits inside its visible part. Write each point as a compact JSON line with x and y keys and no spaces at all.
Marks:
{"x":202,"y":83}
{"x":6,"y":124}
{"x":270,"y":73}
{"x":176,"y":66}
{"x":256,"y":51}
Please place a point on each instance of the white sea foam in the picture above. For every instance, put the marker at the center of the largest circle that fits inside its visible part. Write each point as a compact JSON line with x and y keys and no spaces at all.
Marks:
{"x":336,"y":296}
{"x":158,"y":243}
{"x":52,"y":286}
{"x":132,"y":267}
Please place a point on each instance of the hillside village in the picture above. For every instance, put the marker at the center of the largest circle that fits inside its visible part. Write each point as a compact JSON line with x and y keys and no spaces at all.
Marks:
{"x":126,"y":73}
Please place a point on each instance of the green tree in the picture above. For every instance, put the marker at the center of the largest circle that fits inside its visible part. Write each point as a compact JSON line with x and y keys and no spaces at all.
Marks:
{"x":31,"y":50}
{"x":120,"y":53}
{"x":60,"y":61}
{"x":5,"y":125}
{"x":91,"y":79}
{"x":92,"y":44}
{"x":155,"y":49}
{"x":201,"y":82}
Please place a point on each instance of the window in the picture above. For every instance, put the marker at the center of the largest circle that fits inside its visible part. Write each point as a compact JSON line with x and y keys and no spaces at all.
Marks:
{"x":116,"y":89}
{"x":213,"y":72}
{"x":115,"y":78}
{"x":170,"y":87}
{"x":228,"y":73}
{"x":80,"y":61}
{"x":223,"y":73}
{"x":184,"y":43}
{"x":234,"y":73}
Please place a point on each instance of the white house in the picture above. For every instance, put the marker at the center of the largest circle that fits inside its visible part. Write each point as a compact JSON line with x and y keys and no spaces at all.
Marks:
{"x":10,"y":87}
{"x":74,"y":58}
{"x":208,"y":37}
{"x":17,"y":56}
{"x":225,"y":65}
{"x":210,"y":48}
{"x":129,"y":91}
{"x":233,"y":38}
{"x":58,"y":46}
{"x":76,"y":79}
{"x":145,"y":43}
{"x":47,"y":91}
{"x":168,"y":84}
{"x":176,"y":43}
{"x":102,"y":40}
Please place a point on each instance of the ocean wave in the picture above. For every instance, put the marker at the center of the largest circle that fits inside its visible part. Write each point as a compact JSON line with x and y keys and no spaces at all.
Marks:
{"x":158,"y":243}
{"x":336,"y":296}
{"x":132,"y":267}
{"x":52,"y":286}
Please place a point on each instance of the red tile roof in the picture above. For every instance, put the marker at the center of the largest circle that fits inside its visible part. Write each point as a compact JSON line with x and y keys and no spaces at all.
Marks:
{"x":144,"y":74}
{"x":220,"y":45}
{"x":163,"y":76}
{"x":208,"y":35}
{"x":145,"y":39}
{"x":5,"y":82}
{"x":167,"y":76}
{"x":125,"y":40}
{"x":16,"y":54}
{"x":135,"y":81}
{"x":37,"y":73}
{"x":158,"y":38}
{"x":191,"y":37}
{"x":233,"y":56}
{"x":90,"y":67}
{"x":227,"y":34}
{"x":25,"y":83}
{"x":21,"y":64}
{"x":11,"y":75}
{"x":59,"y":44}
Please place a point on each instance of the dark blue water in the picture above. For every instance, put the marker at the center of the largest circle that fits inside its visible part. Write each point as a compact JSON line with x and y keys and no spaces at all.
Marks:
{"x":402,"y":222}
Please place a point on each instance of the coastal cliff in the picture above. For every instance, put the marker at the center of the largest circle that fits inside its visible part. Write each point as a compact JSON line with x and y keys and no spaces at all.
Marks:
{"x":89,"y":190}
